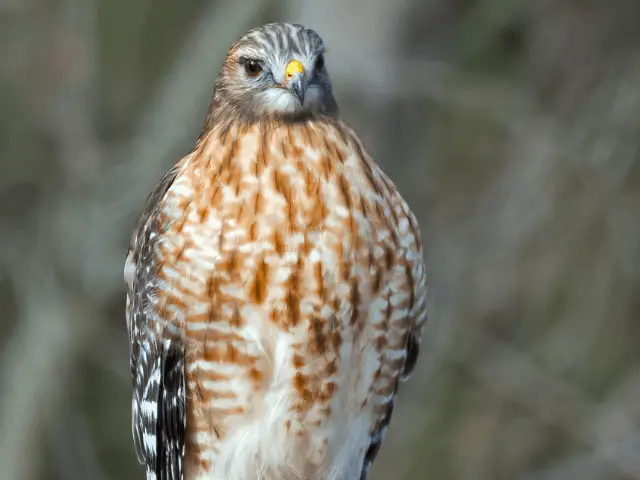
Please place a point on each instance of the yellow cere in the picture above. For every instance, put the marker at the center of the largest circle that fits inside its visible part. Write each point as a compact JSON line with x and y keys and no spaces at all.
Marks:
{"x":293,"y":67}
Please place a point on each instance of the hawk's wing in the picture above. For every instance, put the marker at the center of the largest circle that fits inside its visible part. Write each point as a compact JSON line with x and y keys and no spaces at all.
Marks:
{"x":418,"y":316}
{"x":157,"y":362}
{"x":413,"y":349}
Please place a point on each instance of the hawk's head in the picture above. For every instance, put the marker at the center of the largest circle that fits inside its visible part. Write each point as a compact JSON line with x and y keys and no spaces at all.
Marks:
{"x":275,"y":70}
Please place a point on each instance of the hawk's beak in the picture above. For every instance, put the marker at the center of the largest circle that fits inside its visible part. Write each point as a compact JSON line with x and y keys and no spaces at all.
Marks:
{"x":294,"y":79}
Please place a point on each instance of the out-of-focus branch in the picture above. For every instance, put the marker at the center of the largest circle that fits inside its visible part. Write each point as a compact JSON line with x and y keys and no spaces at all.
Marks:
{"x":16,"y":6}
{"x":38,"y":359}
{"x":74,"y":447}
{"x":69,"y":118}
{"x":444,"y":83}
{"x":620,"y":456}
{"x":54,"y":324}
{"x":554,"y":402}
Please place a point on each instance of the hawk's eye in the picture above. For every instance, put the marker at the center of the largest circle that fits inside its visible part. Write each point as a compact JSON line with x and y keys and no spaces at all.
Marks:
{"x":252,"y":67}
{"x":320,"y":62}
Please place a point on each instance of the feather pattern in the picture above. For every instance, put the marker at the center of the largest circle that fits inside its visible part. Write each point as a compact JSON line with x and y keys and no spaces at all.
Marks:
{"x":276,"y":291}
{"x":292,"y":270}
{"x":157,"y":366}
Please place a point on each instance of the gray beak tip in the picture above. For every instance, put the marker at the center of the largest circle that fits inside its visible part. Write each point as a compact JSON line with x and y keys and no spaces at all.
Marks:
{"x":298,"y":88}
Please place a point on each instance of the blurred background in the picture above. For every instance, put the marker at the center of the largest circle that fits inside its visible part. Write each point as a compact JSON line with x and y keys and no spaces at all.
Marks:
{"x":512,"y":127}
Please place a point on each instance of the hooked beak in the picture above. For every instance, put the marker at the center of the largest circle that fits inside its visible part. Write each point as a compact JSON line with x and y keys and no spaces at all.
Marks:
{"x":298,"y":86}
{"x":294,"y":79}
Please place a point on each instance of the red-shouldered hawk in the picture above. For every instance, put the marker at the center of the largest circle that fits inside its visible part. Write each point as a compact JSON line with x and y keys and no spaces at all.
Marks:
{"x":276,"y":287}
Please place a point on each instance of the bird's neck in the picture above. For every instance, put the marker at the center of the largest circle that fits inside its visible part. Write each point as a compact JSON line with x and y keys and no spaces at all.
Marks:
{"x":318,"y":146}
{"x":228,"y":115}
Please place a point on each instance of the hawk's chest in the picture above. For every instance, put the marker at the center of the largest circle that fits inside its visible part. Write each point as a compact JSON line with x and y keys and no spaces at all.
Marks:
{"x":267,"y":216}
{"x":282,"y":259}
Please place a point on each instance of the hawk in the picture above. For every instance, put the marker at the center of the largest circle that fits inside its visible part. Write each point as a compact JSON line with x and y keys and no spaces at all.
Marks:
{"x":276,"y":289}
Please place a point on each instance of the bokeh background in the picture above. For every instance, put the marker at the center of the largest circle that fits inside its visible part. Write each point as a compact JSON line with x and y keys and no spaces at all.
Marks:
{"x":512,"y":127}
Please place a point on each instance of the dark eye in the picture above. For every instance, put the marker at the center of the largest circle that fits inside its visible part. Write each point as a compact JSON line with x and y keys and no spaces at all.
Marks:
{"x":320,"y":62}
{"x":252,"y":67}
